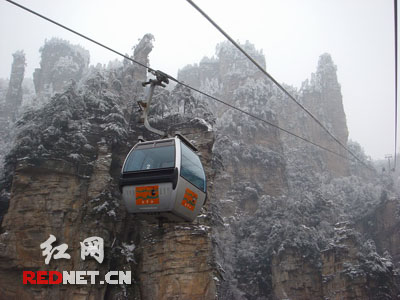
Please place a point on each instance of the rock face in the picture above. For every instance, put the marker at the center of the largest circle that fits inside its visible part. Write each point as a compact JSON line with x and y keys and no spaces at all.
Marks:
{"x":324,"y":98}
{"x":55,"y":195}
{"x":176,"y":262}
{"x":72,"y":205}
{"x":132,"y":75}
{"x":295,"y":277}
{"x":14,"y":92}
{"x":60,"y":63}
{"x":382,"y":225}
{"x":178,"y":265}
{"x":229,"y":67}
{"x":10,"y":102}
{"x":279,"y":198}
{"x":225,"y":76}
{"x":247,"y":156}
{"x":283,"y":220}
{"x":141,"y":54}
{"x":346,"y":271}
{"x":61,"y":179}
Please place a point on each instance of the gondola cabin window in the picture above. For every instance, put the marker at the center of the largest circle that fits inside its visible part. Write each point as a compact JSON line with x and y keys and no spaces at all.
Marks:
{"x":150,"y":158}
{"x":191,"y":168}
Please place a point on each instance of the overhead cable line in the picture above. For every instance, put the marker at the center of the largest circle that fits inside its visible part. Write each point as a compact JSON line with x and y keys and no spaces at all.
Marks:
{"x":395,"y":83}
{"x":184,"y":84}
{"x":259,"y":119}
{"x":272,"y":79}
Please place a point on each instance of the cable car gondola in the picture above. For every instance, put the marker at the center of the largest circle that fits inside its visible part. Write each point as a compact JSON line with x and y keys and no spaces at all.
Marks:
{"x":163,"y":180}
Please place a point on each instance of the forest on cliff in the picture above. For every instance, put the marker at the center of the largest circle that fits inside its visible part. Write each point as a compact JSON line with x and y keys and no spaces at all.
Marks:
{"x":284,"y":219}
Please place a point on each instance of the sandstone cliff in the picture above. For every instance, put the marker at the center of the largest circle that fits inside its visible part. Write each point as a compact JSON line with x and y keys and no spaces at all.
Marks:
{"x":283,"y":220}
{"x":60,"y":64}
{"x":61,"y":179}
{"x":11,"y":96}
{"x":281,"y":200}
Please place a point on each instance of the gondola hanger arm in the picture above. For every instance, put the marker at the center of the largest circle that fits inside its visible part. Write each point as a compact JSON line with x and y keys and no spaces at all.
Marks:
{"x":161,"y":78}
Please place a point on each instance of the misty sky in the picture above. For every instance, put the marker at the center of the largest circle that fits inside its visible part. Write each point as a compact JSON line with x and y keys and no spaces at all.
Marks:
{"x":292,"y":33}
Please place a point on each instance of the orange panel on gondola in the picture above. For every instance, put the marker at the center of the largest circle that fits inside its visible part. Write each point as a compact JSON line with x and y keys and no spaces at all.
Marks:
{"x":147,"y":195}
{"x":189,"y":199}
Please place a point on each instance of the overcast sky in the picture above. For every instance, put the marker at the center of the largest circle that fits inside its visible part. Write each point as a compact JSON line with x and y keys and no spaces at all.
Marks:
{"x":292,"y":33}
